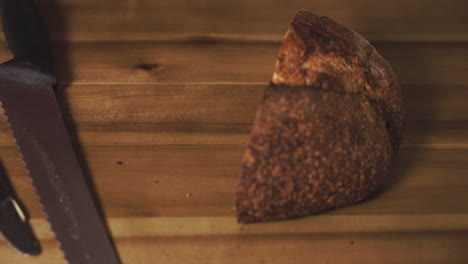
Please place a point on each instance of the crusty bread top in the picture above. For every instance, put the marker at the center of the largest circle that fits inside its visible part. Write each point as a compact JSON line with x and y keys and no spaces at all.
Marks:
{"x":316,"y":50}
{"x":327,"y":129}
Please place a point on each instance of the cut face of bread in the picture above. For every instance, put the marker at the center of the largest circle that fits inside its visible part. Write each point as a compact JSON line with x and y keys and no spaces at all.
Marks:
{"x":328,"y":126}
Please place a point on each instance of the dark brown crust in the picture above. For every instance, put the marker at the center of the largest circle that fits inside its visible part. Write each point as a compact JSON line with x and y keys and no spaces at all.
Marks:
{"x":327,"y":129}
{"x":317,"y":46}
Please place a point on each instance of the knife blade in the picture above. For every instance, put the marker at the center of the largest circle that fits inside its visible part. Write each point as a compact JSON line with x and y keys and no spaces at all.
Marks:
{"x":28,"y":98}
{"x":14,"y":225}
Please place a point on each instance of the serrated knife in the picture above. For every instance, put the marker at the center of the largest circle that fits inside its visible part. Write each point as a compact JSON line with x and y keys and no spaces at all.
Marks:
{"x":27,"y":96}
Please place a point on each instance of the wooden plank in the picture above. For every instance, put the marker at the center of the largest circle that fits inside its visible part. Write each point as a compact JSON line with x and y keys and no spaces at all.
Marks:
{"x":217,"y":61}
{"x":147,"y":227}
{"x":200,"y":181}
{"x":326,"y":227}
{"x":422,"y":134}
{"x":411,"y":247}
{"x":398,"y":20}
{"x":222,"y":114}
{"x":184,"y":107}
{"x":341,"y":248}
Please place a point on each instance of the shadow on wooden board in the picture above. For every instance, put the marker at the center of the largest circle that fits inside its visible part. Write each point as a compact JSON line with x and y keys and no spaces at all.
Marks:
{"x":421,"y":128}
{"x":53,"y":15}
{"x":52,"y":12}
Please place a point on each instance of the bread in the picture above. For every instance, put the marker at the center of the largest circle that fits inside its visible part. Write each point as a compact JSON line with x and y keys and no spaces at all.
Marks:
{"x":327,"y":129}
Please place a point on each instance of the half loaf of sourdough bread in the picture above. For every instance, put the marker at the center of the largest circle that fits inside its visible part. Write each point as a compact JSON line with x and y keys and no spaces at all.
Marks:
{"x":328,"y":126}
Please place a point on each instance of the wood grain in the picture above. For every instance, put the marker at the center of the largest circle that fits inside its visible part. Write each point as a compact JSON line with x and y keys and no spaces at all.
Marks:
{"x":163,"y":227}
{"x":130,"y":20}
{"x":200,"y":181}
{"x":200,"y":114}
{"x":160,"y":97}
{"x":210,"y":60}
{"x":400,"y":247}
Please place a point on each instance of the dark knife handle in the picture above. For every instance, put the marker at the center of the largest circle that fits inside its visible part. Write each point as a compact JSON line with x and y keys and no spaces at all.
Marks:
{"x":26,"y":34}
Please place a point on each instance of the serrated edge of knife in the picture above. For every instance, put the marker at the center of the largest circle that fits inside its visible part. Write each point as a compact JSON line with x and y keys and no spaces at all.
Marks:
{"x":3,"y":112}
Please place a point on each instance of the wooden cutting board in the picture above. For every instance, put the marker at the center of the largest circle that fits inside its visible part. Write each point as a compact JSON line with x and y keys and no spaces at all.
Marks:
{"x":162,"y":95}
